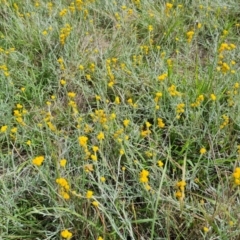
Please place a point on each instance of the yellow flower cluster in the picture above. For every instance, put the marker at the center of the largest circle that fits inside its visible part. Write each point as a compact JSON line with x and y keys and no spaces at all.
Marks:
{"x":168,"y":7}
{"x":48,"y":119}
{"x":213,"y":97}
{"x":145,"y":49}
{"x":83,"y":141}
{"x":224,"y":66}
{"x":146,"y":132}
{"x":137,"y":59}
{"x":38,"y":160}
{"x":18,"y":114}
{"x":144,"y":176}
{"x":231,"y":93}
{"x":162,"y":76}
{"x":161,"y":124}
{"x":99,"y":116}
{"x":198,"y":101}
{"x":236,"y":176}
{"x":203,"y":150}
{"x":62,"y":67}
{"x":181,"y":188}
{"x":3,"y":128}
{"x":63,"y":183}
{"x":126,"y":122}
{"x":180,"y":108}
{"x":66,"y":234}
{"x":100,"y":136}
{"x":89,"y":194}
{"x":157,"y":96}
{"x":173,"y":91}
{"x":110,"y":63}
{"x":64,"y":187}
{"x":64,"y":33}
{"x":63,"y":12}
{"x":189,"y":36}
{"x":225,"y":121}
{"x":226,"y":47}
{"x":130,"y":102}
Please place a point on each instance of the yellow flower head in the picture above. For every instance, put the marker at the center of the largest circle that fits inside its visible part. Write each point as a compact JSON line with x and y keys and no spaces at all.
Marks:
{"x":144,"y":176}
{"x":126,"y":122}
{"x":89,"y":194}
{"x":100,"y":136}
{"x":102,"y":179}
{"x":95,"y":203}
{"x":83,"y":141}
{"x":160,"y":163}
{"x":38,"y":160}
{"x":63,"y":183}
{"x":66,"y":234}
{"x":203,"y":150}
{"x":71,"y":94}
{"x":213,"y":97}
{"x":63,"y":162}
{"x":3,"y":128}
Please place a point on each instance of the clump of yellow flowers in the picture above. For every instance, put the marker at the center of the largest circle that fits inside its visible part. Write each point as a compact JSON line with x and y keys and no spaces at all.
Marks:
{"x":66,"y":234}
{"x":38,"y":160}
{"x":181,"y":188}
{"x":236,"y":176}
{"x":144,"y":176}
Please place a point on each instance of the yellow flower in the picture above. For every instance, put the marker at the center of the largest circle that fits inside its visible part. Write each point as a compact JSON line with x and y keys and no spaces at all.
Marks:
{"x":205,"y":229}
{"x":150,"y":28}
{"x":126,"y":122}
{"x":94,"y":157}
{"x":4,"y":128}
{"x":63,"y":162}
{"x":100,"y":136}
{"x":95,"y":148}
{"x":98,"y":98}
{"x":38,"y":160}
{"x":71,"y":94}
{"x":81,"y":67}
{"x":213,"y":97}
{"x":190,"y":36}
{"x":14,"y":130}
{"x":95,"y":203}
{"x":162,"y":77}
{"x":63,"y":82}
{"x":160,"y":163}
{"x":144,"y":176}
{"x":181,"y":185}
{"x":63,"y":183}
{"x":44,"y":33}
{"x":117,"y":100}
{"x":203,"y":150}
{"x":160,"y":123}
{"x":19,"y":106}
{"x":89,"y":194}
{"x":65,"y":195}
{"x":102,"y":179}
{"x":66,"y":234}
{"x":28,"y":142}
{"x":83,"y":141}
{"x":100,"y":238}
{"x":121,"y":152}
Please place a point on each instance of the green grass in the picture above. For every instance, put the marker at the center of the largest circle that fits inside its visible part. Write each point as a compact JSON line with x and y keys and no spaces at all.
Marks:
{"x":109,"y":55}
